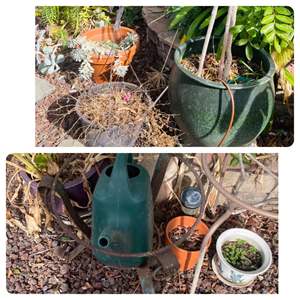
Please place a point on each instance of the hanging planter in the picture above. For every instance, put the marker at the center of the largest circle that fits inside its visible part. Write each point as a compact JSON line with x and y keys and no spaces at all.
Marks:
{"x":188,"y":252}
{"x":104,"y":52}
{"x":202,"y":108}
{"x":241,"y":256}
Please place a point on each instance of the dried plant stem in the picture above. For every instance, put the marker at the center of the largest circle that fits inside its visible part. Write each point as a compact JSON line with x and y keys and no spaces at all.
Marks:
{"x":228,"y":61}
{"x":225,"y":40}
{"x":118,"y":18}
{"x":203,"y":248}
{"x":207,"y":39}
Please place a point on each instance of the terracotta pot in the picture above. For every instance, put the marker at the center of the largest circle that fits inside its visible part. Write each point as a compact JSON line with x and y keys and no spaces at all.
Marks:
{"x":103,"y":64}
{"x":187,"y":259}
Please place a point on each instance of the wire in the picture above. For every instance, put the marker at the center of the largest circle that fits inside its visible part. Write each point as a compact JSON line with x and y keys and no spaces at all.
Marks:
{"x":232,"y":112}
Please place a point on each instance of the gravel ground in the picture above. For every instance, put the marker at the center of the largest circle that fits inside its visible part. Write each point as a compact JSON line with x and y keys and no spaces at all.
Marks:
{"x":41,"y":264}
{"x":38,"y":266}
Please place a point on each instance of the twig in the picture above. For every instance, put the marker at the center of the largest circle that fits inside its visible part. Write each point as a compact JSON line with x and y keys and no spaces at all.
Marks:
{"x":228,"y":61}
{"x":169,"y":52}
{"x":207,"y":39}
{"x":203,"y":248}
{"x":118,"y":18}
{"x":263,"y":166}
{"x":242,"y":166}
{"x":229,"y":196}
{"x":225,"y":40}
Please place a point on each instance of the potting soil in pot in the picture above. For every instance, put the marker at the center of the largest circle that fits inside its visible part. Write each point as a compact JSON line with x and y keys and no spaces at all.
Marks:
{"x":192,"y":243}
{"x":242,"y":255}
{"x":240,"y":71}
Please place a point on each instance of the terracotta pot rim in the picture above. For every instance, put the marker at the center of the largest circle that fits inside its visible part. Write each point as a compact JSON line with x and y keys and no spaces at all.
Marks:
{"x":169,"y":228}
{"x":107,"y":59}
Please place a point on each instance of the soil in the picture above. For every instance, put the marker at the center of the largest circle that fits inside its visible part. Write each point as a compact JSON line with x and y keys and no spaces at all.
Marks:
{"x":242,"y":255}
{"x":193,"y":243}
{"x":239,"y":72}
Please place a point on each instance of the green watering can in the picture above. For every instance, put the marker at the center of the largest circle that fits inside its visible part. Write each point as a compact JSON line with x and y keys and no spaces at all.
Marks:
{"x":122,"y":215}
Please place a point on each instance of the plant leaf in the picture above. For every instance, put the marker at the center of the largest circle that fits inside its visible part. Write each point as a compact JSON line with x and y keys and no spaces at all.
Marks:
{"x":277,"y":45}
{"x":242,"y":42}
{"x":284,"y":19}
{"x":249,"y":52}
{"x":268,"y":11}
{"x":289,"y":76}
{"x":283,"y":10}
{"x":267,"y":28}
{"x":180,"y":15}
{"x":236,"y":29}
{"x":220,"y":13}
{"x":284,"y":27}
{"x":267,"y":19}
{"x":195,"y":23}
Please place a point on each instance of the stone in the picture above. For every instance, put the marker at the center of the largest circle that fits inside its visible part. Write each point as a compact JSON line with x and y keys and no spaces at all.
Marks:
{"x":159,"y":33}
{"x":42,"y":89}
{"x":70,"y":143}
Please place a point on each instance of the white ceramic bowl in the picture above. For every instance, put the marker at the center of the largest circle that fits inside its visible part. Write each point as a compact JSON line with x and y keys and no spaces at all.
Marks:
{"x":232,"y":274}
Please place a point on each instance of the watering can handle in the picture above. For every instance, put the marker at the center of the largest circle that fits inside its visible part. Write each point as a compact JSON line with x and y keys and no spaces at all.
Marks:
{"x":119,"y":172}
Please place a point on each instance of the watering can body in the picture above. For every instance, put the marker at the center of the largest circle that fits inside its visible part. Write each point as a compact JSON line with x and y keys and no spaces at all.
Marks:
{"x":122,"y":214}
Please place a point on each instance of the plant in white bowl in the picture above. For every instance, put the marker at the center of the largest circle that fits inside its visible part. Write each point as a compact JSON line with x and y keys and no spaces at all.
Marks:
{"x":242,"y":255}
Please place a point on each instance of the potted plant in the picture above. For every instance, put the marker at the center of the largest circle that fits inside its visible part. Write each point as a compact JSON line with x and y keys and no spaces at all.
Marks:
{"x":201,"y":101}
{"x":33,"y":166}
{"x":188,"y":252}
{"x":105,"y":51}
{"x":121,"y":114}
{"x":241,"y":256}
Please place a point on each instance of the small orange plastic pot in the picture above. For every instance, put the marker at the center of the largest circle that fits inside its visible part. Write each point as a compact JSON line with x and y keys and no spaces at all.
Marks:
{"x":103,"y":64}
{"x":187,"y":259}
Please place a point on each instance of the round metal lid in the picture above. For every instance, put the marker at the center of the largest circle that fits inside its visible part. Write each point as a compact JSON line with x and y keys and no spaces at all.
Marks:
{"x":191,"y":197}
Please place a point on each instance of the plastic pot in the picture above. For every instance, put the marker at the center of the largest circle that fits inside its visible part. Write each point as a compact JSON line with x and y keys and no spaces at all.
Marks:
{"x":103,"y":64}
{"x":115,"y":136}
{"x":232,"y":274}
{"x":202,"y":107}
{"x":187,"y":259}
{"x":74,"y":188}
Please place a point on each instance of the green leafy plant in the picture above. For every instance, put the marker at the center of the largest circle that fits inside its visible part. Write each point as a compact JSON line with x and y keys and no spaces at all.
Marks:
{"x":193,"y":20}
{"x":131,"y":15}
{"x":242,"y":255}
{"x":235,"y":161}
{"x":36,"y":164}
{"x":257,"y":27}
{"x":73,"y":19}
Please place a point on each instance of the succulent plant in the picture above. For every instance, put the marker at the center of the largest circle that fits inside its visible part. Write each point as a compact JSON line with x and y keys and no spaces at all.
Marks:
{"x":84,"y":49}
{"x":50,"y":60}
